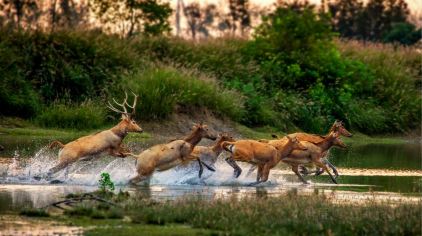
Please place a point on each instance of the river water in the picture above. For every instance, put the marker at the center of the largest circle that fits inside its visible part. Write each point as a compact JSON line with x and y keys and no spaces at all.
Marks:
{"x":390,"y":171}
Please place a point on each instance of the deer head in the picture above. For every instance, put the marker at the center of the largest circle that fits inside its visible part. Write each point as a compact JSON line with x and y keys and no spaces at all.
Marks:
{"x":338,"y":127}
{"x":128,"y":121}
{"x":203,"y":131}
{"x":296,"y":143}
{"x":225,"y":137}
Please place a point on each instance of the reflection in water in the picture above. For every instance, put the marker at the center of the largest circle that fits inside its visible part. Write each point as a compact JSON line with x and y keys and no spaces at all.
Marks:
{"x":380,"y":156}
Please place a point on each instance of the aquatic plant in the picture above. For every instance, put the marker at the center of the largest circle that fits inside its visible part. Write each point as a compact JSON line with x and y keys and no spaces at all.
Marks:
{"x":105,"y":184}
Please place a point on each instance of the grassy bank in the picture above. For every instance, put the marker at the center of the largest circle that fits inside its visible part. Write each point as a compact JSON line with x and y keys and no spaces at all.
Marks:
{"x":286,"y":215}
{"x":64,"y":79}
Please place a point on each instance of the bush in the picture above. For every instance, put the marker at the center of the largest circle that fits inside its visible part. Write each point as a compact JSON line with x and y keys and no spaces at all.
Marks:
{"x":76,"y":64}
{"x":163,"y":88}
{"x":33,"y":212}
{"x":87,"y":115}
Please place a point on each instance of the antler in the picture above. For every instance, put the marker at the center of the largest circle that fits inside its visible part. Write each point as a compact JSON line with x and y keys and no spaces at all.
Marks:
{"x":135,"y":99}
{"x":124,"y":112}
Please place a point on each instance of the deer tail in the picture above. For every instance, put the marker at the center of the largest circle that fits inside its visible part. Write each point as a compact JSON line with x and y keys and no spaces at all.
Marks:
{"x":56,"y":144}
{"x":228,"y":146}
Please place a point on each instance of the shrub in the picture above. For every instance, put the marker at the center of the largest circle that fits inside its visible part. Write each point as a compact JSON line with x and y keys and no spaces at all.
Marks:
{"x":105,"y":184}
{"x":87,"y":115}
{"x":32,"y":212}
{"x":162,"y":88}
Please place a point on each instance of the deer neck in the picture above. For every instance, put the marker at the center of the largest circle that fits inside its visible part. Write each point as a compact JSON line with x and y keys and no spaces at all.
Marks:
{"x":326,"y":143}
{"x":286,"y":150}
{"x":217,"y":149}
{"x":120,"y":130}
{"x":194,"y":138}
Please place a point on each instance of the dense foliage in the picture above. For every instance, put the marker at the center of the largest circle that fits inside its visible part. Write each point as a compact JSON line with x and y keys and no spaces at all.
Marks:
{"x":292,"y":74}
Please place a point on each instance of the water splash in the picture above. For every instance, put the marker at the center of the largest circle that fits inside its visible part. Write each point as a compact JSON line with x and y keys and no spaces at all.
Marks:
{"x":121,"y":170}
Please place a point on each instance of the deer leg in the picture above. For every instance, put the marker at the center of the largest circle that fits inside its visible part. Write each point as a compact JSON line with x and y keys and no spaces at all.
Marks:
{"x":253,"y":167}
{"x":304,"y":171}
{"x":232,"y":163}
{"x":117,"y":152}
{"x":201,"y":168}
{"x":57,"y":168}
{"x":332,"y":167}
{"x":295,"y":169}
{"x":259,"y":176}
{"x":138,"y":179}
{"x":210,"y":168}
{"x":323,"y":166}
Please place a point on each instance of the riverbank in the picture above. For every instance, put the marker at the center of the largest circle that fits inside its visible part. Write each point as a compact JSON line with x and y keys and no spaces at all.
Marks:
{"x":294,"y":214}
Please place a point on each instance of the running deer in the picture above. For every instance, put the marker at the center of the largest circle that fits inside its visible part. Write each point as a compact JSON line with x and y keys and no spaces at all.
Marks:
{"x":207,"y":156}
{"x":313,"y":154}
{"x":108,"y":140}
{"x":166,"y":156}
{"x":337,"y":127}
{"x":264,"y":155}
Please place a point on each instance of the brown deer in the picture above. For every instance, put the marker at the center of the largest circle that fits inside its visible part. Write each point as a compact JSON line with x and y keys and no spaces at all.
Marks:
{"x":207,"y":156}
{"x":166,"y":156}
{"x":313,"y":154}
{"x":264,"y":155}
{"x":108,"y":140}
{"x":337,"y":127}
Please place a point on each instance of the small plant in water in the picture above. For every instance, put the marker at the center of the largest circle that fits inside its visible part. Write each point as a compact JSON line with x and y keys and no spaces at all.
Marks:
{"x":105,"y":183}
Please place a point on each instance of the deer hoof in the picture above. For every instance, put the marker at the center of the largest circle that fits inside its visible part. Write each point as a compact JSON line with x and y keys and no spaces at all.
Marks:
{"x":237,"y":173}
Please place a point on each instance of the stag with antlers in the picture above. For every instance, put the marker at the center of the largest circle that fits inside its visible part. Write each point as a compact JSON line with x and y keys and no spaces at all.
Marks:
{"x":108,"y":140}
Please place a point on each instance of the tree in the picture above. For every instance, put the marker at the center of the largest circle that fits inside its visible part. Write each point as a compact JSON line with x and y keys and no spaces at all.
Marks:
{"x":353,"y":19}
{"x":129,"y":17}
{"x":345,"y":15}
{"x":192,"y":13}
{"x":403,"y":33}
{"x":20,"y":13}
{"x":239,"y":15}
{"x":66,"y":14}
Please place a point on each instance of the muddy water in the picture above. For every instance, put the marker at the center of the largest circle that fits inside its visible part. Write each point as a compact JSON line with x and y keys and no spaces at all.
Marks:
{"x":391,"y":171}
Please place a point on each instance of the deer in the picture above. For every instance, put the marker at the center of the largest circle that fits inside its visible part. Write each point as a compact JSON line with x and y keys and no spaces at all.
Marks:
{"x":108,"y":140}
{"x":207,"y":156}
{"x":313,"y":154}
{"x":162,"y":157}
{"x":264,"y":155}
{"x":338,"y":126}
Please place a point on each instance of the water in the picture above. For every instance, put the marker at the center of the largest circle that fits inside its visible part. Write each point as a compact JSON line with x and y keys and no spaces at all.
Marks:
{"x":394,"y":169}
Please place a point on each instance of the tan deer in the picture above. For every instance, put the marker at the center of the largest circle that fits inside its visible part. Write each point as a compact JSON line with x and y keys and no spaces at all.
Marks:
{"x":207,"y":156}
{"x":108,"y":140}
{"x":264,"y":155}
{"x":337,"y":127}
{"x":313,"y":154}
{"x":166,"y":156}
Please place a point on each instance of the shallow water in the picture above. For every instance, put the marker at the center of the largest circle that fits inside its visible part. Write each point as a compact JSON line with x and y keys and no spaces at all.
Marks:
{"x":389,"y":168}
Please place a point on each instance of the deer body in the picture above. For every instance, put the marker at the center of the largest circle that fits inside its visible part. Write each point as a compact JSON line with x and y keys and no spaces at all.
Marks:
{"x":108,"y":140}
{"x":208,"y":155}
{"x":266,"y":156}
{"x":313,"y":154}
{"x":166,"y":156}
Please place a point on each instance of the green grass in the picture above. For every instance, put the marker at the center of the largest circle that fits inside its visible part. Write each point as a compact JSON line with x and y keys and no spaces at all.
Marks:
{"x":85,"y":116}
{"x":163,"y":90}
{"x":290,"y":214}
{"x":122,"y":227}
{"x":34,"y":213}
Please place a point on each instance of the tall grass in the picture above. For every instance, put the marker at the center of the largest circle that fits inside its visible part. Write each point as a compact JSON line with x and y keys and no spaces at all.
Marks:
{"x":285,"y":215}
{"x":162,"y":89}
{"x":398,"y":79}
{"x":87,"y":115}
